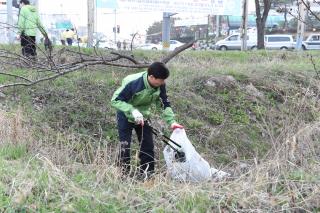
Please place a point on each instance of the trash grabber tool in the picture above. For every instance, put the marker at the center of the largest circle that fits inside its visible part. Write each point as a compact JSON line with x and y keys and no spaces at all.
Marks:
{"x":181,"y":156}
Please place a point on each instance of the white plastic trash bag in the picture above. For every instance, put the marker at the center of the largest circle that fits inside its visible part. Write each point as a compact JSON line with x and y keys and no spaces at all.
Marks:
{"x":194,"y":168}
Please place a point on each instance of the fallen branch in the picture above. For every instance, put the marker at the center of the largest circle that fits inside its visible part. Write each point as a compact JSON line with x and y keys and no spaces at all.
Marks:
{"x":54,"y":64}
{"x":177,"y":51}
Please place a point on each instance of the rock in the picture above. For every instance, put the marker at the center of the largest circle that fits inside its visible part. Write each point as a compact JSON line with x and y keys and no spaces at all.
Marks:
{"x":253,"y":92}
{"x":244,"y":167}
{"x":221,"y":82}
{"x":2,"y":95}
{"x":23,"y":192}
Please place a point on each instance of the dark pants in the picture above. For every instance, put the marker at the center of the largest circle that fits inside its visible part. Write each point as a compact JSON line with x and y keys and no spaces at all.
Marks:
{"x":28,"y":44}
{"x":146,"y":153}
{"x":69,"y":41}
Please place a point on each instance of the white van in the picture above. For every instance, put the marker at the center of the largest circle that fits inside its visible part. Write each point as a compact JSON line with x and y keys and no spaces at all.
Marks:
{"x":271,"y":42}
{"x":233,"y":42}
{"x":280,"y":41}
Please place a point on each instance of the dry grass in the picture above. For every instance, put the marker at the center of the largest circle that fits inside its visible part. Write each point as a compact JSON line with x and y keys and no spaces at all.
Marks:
{"x":11,"y":127}
{"x":61,"y":173}
{"x":286,"y":180}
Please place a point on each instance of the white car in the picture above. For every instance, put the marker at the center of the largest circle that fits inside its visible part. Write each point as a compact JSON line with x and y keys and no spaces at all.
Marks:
{"x":174,"y":44}
{"x":312,"y":42}
{"x":149,"y":46}
{"x":105,"y":44}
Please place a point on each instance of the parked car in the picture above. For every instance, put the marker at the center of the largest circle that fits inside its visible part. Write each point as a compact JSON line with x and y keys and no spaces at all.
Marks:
{"x":174,"y":44}
{"x":99,"y":41}
{"x":233,"y":42}
{"x":271,"y":42}
{"x":203,"y":45}
{"x":150,"y":46}
{"x":280,"y":41}
{"x":108,"y":44}
{"x":312,"y":42}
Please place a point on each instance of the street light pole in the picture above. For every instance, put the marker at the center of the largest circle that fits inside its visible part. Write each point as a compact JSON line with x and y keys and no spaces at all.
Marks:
{"x":115,"y":26}
{"x":217,"y":28}
{"x":39,"y":34}
{"x":166,"y":30}
{"x":9,"y":22}
{"x":244,"y":26}
{"x":301,"y":24}
{"x":91,"y":21}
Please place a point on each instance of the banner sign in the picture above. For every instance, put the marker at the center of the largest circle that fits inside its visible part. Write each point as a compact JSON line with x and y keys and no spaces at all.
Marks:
{"x":191,"y":21}
{"x":111,"y":4}
{"x":171,"y":6}
{"x":214,"y":7}
{"x":226,"y":7}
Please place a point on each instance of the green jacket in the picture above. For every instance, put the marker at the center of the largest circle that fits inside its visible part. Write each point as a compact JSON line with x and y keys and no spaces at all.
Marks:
{"x":136,"y":93}
{"x":29,"y":21}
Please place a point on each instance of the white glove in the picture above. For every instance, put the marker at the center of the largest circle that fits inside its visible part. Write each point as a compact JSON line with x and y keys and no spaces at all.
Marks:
{"x":138,"y":117}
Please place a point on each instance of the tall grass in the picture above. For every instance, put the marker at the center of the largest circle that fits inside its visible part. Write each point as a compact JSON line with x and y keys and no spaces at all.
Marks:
{"x":285,"y":180}
{"x":271,"y":146}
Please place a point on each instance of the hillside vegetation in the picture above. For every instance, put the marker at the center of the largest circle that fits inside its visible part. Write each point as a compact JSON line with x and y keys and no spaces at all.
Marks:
{"x":252,"y":114}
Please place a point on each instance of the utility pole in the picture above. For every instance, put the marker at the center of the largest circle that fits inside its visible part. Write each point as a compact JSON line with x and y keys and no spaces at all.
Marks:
{"x":244,"y":26}
{"x":301,"y":26}
{"x":115,"y":26}
{"x":91,"y":21}
{"x":9,"y":22}
{"x":208,"y":28}
{"x":36,"y":4}
{"x":166,"y":31}
{"x":217,"y":28}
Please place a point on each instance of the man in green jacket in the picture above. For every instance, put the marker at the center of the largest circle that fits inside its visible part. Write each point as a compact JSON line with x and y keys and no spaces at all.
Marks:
{"x":133,"y":101}
{"x":28,"y":24}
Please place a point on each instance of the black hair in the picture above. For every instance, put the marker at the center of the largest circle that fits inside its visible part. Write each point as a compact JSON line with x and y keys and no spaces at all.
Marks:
{"x":158,"y":70}
{"x":26,"y":2}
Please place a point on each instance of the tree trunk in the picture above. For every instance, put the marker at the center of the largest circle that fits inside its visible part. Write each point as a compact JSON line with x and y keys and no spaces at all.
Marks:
{"x":260,"y":34}
{"x":285,"y":17}
{"x":261,"y":20}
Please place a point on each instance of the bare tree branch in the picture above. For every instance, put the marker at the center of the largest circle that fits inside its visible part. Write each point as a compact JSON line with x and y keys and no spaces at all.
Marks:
{"x":126,"y":57}
{"x":131,"y":43}
{"x":307,"y":5}
{"x":51,"y":68}
{"x":177,"y":51}
{"x":16,"y":76}
{"x":309,"y":9}
{"x":314,"y":67}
